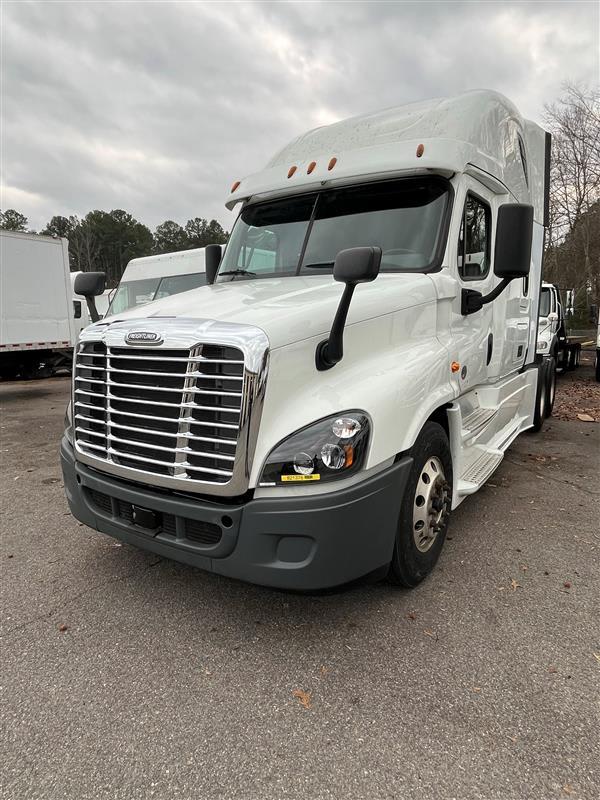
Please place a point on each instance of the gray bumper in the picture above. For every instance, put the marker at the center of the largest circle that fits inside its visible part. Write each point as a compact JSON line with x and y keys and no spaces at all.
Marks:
{"x":301,"y":543}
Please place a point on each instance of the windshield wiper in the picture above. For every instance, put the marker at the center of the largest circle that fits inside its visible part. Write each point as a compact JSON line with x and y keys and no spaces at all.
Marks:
{"x":236,"y":272}
{"x":322,"y":265}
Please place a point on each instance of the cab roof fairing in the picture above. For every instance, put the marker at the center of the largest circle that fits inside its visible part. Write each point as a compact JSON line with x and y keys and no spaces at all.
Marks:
{"x":480,"y":128}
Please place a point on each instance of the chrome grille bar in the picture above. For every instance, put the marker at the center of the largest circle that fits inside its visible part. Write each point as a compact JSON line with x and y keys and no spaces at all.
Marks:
{"x":172,"y":414}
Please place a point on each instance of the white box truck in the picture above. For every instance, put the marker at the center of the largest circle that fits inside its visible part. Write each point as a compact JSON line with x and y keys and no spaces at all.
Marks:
{"x":37,"y":326}
{"x":363,"y":356}
{"x":154,"y":277}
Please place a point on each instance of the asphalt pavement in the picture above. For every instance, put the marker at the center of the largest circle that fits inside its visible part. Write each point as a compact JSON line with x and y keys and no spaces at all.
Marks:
{"x":128,"y":676}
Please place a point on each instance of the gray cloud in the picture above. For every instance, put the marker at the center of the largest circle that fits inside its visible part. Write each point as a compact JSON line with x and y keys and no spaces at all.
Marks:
{"x":158,"y":107}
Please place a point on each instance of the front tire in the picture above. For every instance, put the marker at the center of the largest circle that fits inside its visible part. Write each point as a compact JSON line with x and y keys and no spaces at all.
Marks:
{"x":425,"y":510}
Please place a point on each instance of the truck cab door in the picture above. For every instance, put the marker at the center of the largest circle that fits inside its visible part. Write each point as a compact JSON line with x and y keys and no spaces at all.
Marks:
{"x":473,"y":335}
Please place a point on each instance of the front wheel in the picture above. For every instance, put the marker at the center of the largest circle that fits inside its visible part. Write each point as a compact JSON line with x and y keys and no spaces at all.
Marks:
{"x":425,"y":510}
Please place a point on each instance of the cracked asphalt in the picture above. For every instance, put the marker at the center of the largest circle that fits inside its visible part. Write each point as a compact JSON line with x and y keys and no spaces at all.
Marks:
{"x":128,"y":676}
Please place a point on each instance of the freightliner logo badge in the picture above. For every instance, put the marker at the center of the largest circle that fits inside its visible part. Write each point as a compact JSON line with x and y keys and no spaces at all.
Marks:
{"x":143,"y":337}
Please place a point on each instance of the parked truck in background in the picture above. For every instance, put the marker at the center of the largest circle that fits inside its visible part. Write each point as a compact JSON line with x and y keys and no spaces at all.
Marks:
{"x":553,"y":341}
{"x":361,"y":359}
{"x":154,"y":277}
{"x":37,"y":327}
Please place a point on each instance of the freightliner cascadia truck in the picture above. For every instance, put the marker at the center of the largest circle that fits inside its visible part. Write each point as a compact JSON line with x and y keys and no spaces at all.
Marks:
{"x":362,"y":357}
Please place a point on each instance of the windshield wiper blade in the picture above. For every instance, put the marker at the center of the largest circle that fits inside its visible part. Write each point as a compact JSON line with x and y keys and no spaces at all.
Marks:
{"x":236,"y":272}
{"x":322,"y":265}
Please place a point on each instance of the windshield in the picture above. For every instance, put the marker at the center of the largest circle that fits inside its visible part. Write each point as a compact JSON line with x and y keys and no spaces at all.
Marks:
{"x":545,"y":303}
{"x":302,"y":235}
{"x":138,"y":293}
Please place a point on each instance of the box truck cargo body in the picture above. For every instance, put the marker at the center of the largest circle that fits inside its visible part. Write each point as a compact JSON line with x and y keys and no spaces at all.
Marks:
{"x":37,"y":324}
{"x":362,"y":356}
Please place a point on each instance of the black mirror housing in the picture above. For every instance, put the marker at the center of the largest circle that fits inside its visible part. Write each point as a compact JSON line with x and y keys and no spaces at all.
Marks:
{"x":212,"y":259}
{"x":90,"y":284}
{"x":514,"y":230}
{"x":357,"y":265}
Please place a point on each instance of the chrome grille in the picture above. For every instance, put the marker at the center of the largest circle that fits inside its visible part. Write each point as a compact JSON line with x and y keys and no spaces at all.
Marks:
{"x":172,"y":412}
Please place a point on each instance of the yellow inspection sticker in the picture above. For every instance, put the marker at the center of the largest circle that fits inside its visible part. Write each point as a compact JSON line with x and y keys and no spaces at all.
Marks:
{"x":299,"y":478}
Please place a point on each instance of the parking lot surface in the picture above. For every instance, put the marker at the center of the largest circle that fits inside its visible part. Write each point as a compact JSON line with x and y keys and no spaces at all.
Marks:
{"x":128,"y":676}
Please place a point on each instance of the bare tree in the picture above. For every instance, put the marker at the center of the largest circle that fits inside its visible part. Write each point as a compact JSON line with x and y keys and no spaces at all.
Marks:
{"x":574,"y":121}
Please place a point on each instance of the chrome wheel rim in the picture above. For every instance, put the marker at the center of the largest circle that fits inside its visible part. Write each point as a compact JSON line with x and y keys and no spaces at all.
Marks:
{"x":431,"y":504}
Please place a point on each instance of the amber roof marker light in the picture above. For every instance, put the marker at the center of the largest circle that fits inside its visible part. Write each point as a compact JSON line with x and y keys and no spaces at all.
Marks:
{"x":235,"y":186}
{"x":291,"y":171}
{"x":332,"y":163}
{"x":311,"y":167}
{"x":420,"y":150}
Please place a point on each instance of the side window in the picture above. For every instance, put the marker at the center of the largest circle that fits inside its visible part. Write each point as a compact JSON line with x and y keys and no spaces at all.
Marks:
{"x":474,"y":240}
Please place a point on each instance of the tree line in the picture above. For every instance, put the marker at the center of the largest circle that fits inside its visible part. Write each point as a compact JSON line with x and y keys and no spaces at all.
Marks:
{"x":572,"y":257}
{"x":108,"y":240}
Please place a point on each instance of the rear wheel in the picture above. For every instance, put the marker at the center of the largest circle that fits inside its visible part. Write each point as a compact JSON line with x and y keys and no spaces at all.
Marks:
{"x":425,"y":510}
{"x":574,"y":356}
{"x":541,"y":395}
{"x":550,"y":386}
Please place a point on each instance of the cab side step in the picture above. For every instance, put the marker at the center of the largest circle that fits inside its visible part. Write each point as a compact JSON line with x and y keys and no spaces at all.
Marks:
{"x":479,"y":470}
{"x":476,"y":421}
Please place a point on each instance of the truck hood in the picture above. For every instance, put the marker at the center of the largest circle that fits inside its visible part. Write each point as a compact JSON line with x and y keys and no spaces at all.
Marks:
{"x":289,"y":309}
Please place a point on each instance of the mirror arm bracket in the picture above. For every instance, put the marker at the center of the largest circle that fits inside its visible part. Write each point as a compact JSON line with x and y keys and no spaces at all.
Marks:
{"x":93,"y":311}
{"x":330,"y":351}
{"x":472,"y":300}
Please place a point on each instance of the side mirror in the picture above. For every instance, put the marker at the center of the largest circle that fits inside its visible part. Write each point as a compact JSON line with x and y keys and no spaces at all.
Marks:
{"x":353,"y":266}
{"x":514,"y":230}
{"x":212,"y":259}
{"x":90,"y":285}
{"x":552,"y":317}
{"x":512,"y":254}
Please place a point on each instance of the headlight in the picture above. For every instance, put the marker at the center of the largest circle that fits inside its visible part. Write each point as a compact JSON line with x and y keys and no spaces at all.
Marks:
{"x":542,"y":344}
{"x":332,"y":448}
{"x":69,"y":423}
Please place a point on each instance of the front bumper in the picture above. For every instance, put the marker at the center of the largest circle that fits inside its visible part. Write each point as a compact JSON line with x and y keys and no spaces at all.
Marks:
{"x":302,"y":543}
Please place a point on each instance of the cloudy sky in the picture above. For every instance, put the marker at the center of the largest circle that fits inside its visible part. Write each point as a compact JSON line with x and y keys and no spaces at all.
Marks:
{"x":156,"y":107}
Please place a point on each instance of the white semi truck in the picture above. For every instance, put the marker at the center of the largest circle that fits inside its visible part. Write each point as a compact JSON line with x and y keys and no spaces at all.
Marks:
{"x":37,"y":327}
{"x":155,"y":277}
{"x":363,"y":356}
{"x":553,"y":342}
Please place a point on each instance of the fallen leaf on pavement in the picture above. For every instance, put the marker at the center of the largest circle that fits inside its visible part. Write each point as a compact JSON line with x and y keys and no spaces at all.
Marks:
{"x":303,"y":697}
{"x":514,"y":584}
{"x":552,"y":669}
{"x":429,"y":633}
{"x":567,"y":584}
{"x":568,"y":789}
{"x":585,"y":418}
{"x":411,"y":615}
{"x":597,"y":656}
{"x":324,"y":671}
{"x":62,"y":628}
